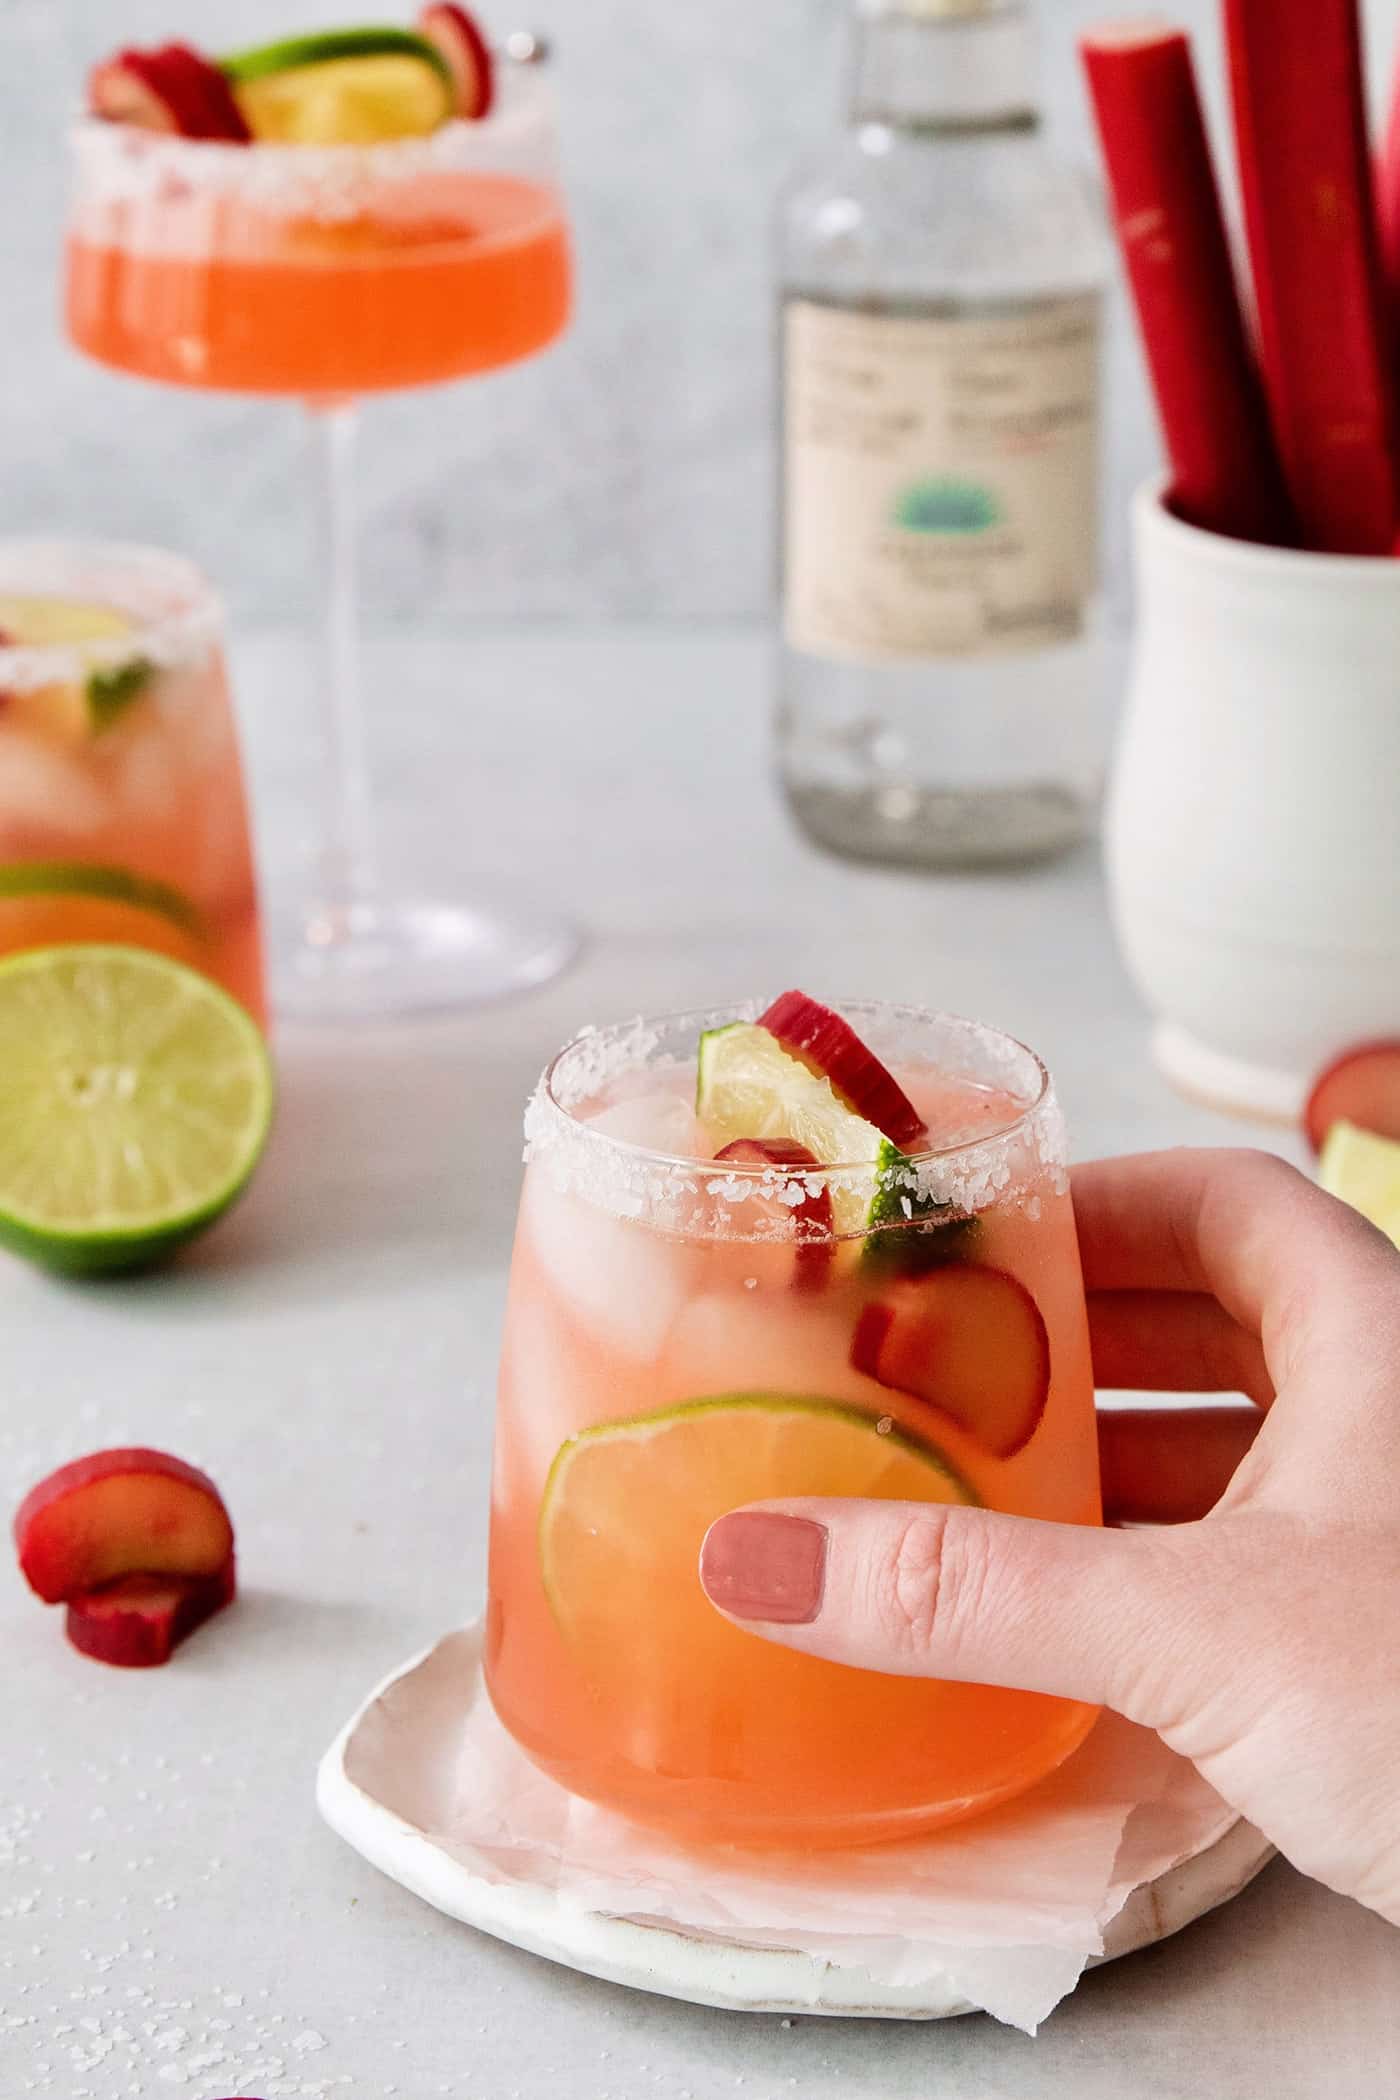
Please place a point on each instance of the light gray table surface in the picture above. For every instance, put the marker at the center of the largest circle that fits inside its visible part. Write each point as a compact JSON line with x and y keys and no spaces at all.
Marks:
{"x":173,"y":1917}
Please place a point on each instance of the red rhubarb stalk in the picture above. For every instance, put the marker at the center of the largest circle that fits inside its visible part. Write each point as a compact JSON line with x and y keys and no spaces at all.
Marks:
{"x":1225,"y":470}
{"x":1388,"y":200}
{"x":1309,"y":208}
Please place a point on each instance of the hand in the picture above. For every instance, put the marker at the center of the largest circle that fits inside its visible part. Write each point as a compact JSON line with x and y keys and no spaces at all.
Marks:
{"x":1261,"y":1637}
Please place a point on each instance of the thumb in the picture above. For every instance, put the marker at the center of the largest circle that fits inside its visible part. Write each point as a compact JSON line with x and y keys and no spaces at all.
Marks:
{"x":919,"y":1590}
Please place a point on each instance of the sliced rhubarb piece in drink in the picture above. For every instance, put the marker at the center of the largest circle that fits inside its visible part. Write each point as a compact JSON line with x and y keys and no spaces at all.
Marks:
{"x":811,"y":1215}
{"x":467,"y":53}
{"x":117,"y":1513}
{"x":828,"y":1046}
{"x":137,"y":1622}
{"x":971,"y":1342}
{"x":1361,"y":1086}
{"x":172,"y":89}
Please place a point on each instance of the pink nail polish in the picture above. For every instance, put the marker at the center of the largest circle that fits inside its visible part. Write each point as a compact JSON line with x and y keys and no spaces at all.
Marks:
{"x":758,"y":1564}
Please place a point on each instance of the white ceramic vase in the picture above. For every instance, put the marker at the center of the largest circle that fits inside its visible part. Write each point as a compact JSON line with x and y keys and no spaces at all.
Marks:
{"x":1253,"y":822}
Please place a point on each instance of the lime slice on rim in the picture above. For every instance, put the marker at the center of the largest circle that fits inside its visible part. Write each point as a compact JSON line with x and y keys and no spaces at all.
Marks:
{"x":135,"y":1101}
{"x":627,"y":1505}
{"x":348,"y":87}
{"x":1364,"y":1170}
{"x":747,"y":1086}
{"x":34,"y":622}
{"x":66,"y":623}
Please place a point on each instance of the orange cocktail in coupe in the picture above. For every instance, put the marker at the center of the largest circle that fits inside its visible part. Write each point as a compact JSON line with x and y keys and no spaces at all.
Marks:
{"x":329,"y":216}
{"x":122,"y":814}
{"x":796,"y":1252}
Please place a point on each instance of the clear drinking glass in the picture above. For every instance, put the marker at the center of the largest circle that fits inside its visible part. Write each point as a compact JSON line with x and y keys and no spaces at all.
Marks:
{"x":327,"y":273}
{"x":685,"y":1335}
{"x":122,"y":813}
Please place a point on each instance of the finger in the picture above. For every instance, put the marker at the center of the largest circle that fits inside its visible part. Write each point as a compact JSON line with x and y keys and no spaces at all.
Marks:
{"x":1286,"y":1261}
{"x":1173,"y":1342}
{"x":920,"y":1590}
{"x":1170,"y":1465}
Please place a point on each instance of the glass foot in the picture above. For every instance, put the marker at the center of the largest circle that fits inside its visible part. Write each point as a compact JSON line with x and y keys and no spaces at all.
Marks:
{"x":383,"y":962}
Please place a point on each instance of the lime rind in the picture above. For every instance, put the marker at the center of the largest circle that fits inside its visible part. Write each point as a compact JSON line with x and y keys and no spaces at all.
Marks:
{"x":907,"y":1227}
{"x":289,"y":54}
{"x":112,"y":691}
{"x":64,"y":878}
{"x":135,"y":1101}
{"x":1364,"y":1171}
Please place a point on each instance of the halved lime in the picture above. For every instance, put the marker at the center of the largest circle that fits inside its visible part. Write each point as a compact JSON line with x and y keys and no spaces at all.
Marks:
{"x":135,"y":1101}
{"x":350,"y":87}
{"x":1364,"y":1170}
{"x":627,"y":1505}
{"x":747,"y":1086}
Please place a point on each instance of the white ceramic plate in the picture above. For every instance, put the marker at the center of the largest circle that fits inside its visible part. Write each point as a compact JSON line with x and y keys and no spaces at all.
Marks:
{"x":387,"y":1819}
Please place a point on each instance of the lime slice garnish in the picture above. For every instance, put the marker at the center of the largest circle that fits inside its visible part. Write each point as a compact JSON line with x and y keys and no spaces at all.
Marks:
{"x":58,"y":623}
{"x":908,"y":1229}
{"x":627,"y":1505}
{"x":135,"y":1101}
{"x":64,"y":878}
{"x":747,"y":1086}
{"x":1364,"y":1170}
{"x":111,"y":692}
{"x":352,"y":87}
{"x":68,"y":623}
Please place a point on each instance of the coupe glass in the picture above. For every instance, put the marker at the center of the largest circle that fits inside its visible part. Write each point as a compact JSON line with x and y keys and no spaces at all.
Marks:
{"x":684,"y":1336}
{"x":328,"y":273}
{"x":122,"y":815}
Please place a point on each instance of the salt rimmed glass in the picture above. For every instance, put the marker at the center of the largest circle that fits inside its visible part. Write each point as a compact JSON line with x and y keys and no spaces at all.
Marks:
{"x":684,"y":1335}
{"x":326,"y":273}
{"x":122,"y":812}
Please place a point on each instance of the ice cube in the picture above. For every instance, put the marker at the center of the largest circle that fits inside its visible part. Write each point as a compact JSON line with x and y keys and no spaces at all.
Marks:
{"x":152,"y":782}
{"x":657,"y":1120}
{"x":622,"y":1280}
{"x":550,"y":1389}
{"x":766,"y":1341}
{"x":47,"y":797}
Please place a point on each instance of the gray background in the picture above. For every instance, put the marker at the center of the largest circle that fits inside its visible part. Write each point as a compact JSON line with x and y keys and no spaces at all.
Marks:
{"x":627,"y":473}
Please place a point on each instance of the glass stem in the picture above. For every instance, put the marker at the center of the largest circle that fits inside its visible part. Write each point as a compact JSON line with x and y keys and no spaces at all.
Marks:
{"x":346,"y":875}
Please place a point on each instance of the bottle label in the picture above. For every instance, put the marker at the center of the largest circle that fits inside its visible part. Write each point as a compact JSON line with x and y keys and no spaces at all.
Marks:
{"x":941,"y":485}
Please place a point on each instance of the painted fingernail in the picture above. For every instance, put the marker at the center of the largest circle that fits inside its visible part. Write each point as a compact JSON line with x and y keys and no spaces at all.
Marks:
{"x":759,"y":1564}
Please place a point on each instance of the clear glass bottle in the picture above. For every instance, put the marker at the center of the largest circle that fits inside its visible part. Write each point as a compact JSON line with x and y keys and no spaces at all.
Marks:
{"x":942,"y":281}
